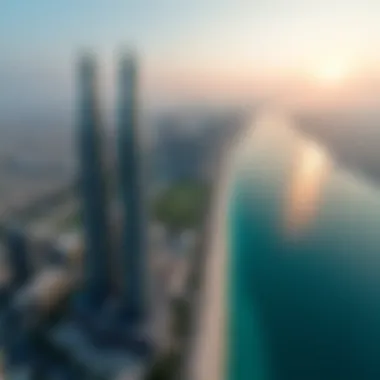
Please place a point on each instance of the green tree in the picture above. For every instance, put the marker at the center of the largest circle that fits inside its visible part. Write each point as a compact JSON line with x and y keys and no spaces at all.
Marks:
{"x":181,"y":206}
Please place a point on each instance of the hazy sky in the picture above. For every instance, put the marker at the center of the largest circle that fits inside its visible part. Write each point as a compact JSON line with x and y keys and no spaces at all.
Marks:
{"x":187,"y":47}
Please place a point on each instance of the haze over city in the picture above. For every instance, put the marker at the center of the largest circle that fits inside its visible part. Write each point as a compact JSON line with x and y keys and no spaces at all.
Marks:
{"x":189,"y":190}
{"x":215,"y":50}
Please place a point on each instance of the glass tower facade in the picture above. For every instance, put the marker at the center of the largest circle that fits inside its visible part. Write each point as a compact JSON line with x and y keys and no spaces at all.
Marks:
{"x":92,"y":184}
{"x":131,"y":186}
{"x":18,"y":256}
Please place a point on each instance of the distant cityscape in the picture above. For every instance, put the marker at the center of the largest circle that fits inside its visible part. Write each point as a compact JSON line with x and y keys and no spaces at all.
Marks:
{"x":98,"y":246}
{"x":102,"y":229}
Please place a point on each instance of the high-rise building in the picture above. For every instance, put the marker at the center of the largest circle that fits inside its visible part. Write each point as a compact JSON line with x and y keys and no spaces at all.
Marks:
{"x":131,"y":186}
{"x":18,"y":256}
{"x":177,"y":139}
{"x":92,"y":187}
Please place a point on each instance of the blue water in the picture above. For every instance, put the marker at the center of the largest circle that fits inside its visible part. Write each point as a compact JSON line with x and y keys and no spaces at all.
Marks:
{"x":303,"y":304}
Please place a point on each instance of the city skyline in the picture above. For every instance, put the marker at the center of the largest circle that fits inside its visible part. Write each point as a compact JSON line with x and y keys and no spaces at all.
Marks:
{"x":104,"y":328}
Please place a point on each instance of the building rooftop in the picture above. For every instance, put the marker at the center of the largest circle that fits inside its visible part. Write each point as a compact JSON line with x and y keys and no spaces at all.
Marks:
{"x":105,"y":362}
{"x":23,"y":373}
{"x":45,"y":291}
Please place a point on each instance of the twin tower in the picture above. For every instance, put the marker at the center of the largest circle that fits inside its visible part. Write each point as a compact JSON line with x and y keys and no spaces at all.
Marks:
{"x":99,"y":276}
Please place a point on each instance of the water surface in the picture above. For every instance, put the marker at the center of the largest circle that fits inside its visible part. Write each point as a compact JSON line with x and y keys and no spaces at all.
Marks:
{"x":303,"y":263}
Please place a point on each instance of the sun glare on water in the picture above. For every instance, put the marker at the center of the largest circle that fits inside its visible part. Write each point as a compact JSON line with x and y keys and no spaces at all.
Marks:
{"x":305,"y":190}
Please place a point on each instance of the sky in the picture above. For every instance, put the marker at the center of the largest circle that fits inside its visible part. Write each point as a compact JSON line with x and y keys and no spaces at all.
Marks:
{"x":191,"y":49}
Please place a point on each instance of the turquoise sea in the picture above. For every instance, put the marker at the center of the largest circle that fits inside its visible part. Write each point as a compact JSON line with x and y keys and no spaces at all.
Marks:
{"x":303,"y":265}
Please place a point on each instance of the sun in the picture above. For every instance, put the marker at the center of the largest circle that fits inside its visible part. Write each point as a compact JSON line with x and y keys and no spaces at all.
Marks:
{"x":331,"y":73}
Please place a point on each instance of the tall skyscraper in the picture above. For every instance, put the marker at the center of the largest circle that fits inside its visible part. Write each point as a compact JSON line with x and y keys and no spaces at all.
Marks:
{"x":131,"y":186}
{"x":92,"y":187}
{"x":17,"y":256}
